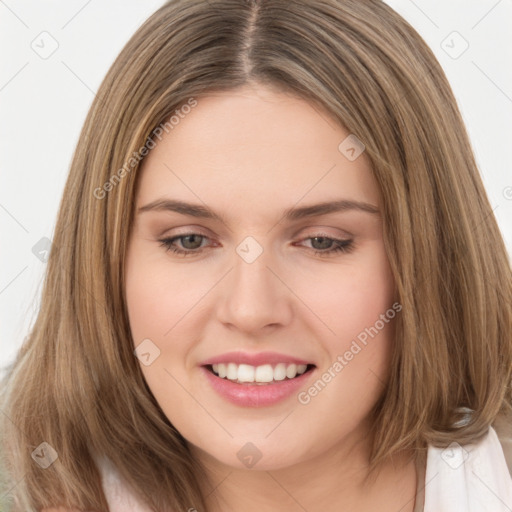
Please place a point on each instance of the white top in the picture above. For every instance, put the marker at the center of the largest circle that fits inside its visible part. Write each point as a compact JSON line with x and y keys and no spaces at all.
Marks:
{"x":472,"y":478}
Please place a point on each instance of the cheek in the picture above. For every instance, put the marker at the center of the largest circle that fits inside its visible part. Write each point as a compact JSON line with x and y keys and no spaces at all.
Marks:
{"x":367,"y":305}
{"x":358,"y":309}
{"x":352,"y":298}
{"x":157,"y":299}
{"x":157,"y":303}
{"x":162,"y":307}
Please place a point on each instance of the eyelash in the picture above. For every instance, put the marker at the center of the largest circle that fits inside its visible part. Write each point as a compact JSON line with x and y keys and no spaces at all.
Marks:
{"x":340,"y":246}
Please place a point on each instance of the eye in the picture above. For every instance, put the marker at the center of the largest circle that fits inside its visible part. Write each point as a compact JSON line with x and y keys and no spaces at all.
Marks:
{"x":190,"y":241}
{"x":192,"y":244}
{"x":326,"y":246}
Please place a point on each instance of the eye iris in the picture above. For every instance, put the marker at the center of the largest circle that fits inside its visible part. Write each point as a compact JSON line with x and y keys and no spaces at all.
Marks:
{"x":194,"y":245}
{"x":326,"y":245}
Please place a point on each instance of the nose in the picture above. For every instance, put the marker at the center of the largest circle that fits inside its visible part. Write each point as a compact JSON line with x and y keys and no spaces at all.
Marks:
{"x":253,"y":296}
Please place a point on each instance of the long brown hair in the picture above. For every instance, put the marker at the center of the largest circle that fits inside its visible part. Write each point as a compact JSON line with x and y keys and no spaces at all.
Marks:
{"x":76,"y":383}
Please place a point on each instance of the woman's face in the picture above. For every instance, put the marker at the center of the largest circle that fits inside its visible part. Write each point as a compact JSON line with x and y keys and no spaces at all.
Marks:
{"x":260,"y":291}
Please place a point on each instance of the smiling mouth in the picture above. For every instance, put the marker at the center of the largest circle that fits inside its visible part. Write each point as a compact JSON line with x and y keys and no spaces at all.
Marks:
{"x":259,"y":375}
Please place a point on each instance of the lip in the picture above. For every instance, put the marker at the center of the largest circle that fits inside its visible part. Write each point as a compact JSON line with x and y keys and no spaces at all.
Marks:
{"x":249,"y":394}
{"x":256,"y":359}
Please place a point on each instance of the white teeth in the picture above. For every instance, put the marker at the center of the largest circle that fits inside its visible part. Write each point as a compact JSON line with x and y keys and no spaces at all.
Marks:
{"x":264,"y":373}
{"x":291,"y":371}
{"x":261,"y":374}
{"x":222,"y":370}
{"x":245,"y":373}
{"x":232,"y":371}
{"x":280,"y":372}
{"x":301,"y":368}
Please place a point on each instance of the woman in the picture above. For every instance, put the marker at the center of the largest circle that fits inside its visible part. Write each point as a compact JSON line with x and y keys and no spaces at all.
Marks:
{"x":276,"y":281}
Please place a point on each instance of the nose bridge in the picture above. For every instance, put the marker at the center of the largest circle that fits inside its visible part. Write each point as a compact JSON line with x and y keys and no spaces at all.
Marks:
{"x":254,"y":296}
{"x":251,"y":271}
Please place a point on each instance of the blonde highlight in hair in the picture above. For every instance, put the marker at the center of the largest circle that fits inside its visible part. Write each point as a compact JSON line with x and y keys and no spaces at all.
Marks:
{"x":76,"y":384}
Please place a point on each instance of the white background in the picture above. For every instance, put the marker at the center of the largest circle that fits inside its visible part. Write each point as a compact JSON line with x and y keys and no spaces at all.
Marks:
{"x":43,"y":104}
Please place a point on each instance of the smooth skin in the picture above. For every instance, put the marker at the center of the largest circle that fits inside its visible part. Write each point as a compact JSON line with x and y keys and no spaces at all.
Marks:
{"x":248,"y":155}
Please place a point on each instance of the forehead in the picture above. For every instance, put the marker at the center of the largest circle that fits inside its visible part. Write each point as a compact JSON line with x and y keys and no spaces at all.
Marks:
{"x":253,"y":147}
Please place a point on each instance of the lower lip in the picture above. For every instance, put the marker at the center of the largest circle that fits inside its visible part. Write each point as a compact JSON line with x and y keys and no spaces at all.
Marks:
{"x":254,"y":395}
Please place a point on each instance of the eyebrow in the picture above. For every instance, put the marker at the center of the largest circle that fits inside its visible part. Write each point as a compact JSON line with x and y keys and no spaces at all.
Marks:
{"x":291,"y":214}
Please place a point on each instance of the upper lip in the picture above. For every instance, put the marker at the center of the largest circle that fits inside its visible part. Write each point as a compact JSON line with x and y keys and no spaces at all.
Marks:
{"x":256,"y":359}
